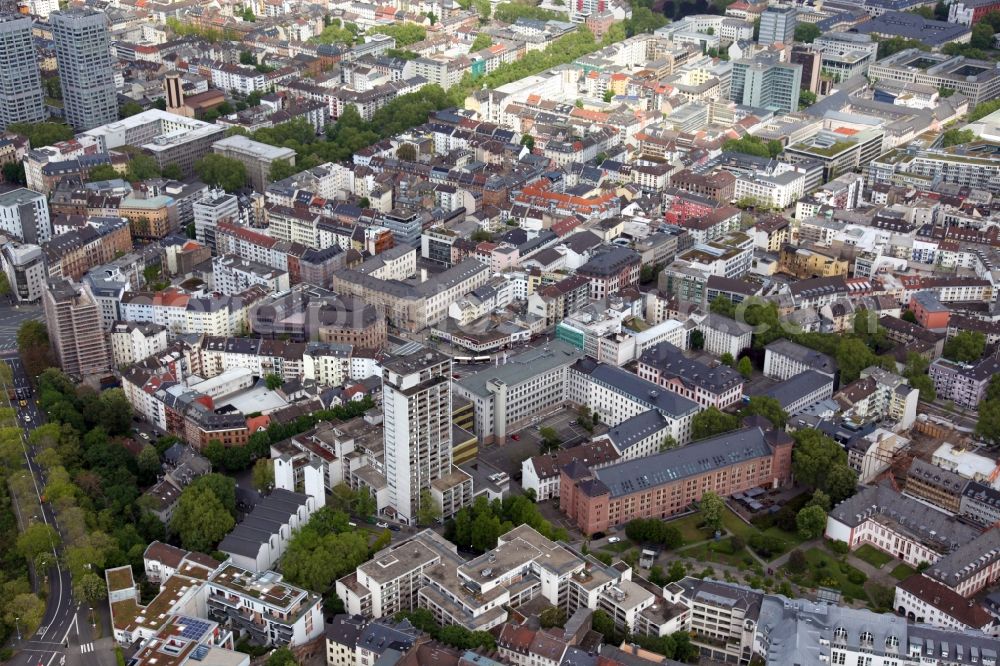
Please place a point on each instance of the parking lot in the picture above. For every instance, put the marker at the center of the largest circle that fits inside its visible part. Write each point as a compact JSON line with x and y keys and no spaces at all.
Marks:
{"x":525,"y":443}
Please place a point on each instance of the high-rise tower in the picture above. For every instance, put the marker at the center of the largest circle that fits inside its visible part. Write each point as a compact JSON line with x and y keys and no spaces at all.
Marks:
{"x":85,"y":71}
{"x":22,"y":99}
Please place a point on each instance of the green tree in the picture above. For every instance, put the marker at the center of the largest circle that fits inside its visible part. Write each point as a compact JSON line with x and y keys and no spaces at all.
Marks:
{"x":806,"y":99}
{"x":13,"y":172}
{"x":42,"y":134}
{"x":814,"y":455}
{"x":797,"y":562}
{"x":528,"y":141}
{"x":841,"y":482}
{"x":820,"y":499}
{"x":955,"y":137}
{"x":142,"y":167}
{"x":712,"y":509}
{"x":37,"y":538}
{"x":91,"y":587}
{"x":173,"y":172}
{"x":553,"y":616}
{"x":221,"y":171}
{"x":644,"y":20}
{"x":262,"y":475}
{"x":769,"y":408}
{"x":148,"y":464}
{"x":102,"y":172}
{"x":751,"y":145}
{"x":965,"y":347}
{"x":4,"y":285}
{"x":407,"y":152}
{"x":281,"y":169}
{"x":315,"y":560}
{"x":807,"y":32}
{"x":853,"y":356}
{"x":608,"y":96}
{"x":200,"y":519}
{"x":886,"y":47}
{"x":811,"y":522}
{"x":273,"y":381}
{"x":550,"y":439}
{"x":130,"y":108}
{"x":712,"y":422}
{"x":429,"y":511}
{"x":745,"y":367}
{"x":727,"y":359}
{"x":282,"y":657}
{"x":980,"y":111}
{"x":988,"y":424}
{"x":486,"y":529}
{"x":909,"y":316}
{"x":697,"y":340}
{"x":481,"y":42}
{"x":404,"y":33}
{"x":27,"y":609}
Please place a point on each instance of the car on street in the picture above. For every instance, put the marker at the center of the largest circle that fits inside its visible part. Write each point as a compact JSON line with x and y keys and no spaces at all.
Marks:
{"x":144,"y":436}
{"x":394,"y":528}
{"x":383,"y":525}
{"x":515,"y":437}
{"x":24,"y":403}
{"x":614,"y":539}
{"x":27,"y":418}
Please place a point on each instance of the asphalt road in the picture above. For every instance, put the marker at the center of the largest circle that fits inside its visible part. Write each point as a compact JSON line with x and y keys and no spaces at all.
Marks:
{"x":65,"y":635}
{"x":11,"y":318}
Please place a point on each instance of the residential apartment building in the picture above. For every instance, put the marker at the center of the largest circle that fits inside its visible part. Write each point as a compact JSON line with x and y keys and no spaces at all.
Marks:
{"x":723,"y":335}
{"x":540,"y":473}
{"x":416,"y":400}
{"x":616,"y":395}
{"x":936,"y":486}
{"x":981,"y":503}
{"x":610,"y":271}
{"x":24,"y":266}
{"x":73,"y":320}
{"x":528,"y":386}
{"x":667,"y":483}
{"x":784,"y":359}
{"x":962,"y":383}
{"x":667,"y":366}
{"x":24,"y":215}
{"x":132,"y":342}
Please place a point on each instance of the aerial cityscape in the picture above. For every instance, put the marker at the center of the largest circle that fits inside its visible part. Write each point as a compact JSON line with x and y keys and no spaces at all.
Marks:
{"x":500,"y":332}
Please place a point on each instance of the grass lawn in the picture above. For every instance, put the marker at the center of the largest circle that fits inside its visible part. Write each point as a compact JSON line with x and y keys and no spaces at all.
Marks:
{"x":716,"y":552}
{"x":735,"y":525}
{"x":826,"y":571}
{"x":903,"y":571}
{"x":688,"y":526}
{"x":619,"y":547}
{"x":873,"y":556}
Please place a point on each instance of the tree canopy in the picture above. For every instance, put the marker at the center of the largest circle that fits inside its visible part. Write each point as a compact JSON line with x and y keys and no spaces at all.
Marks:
{"x":221,"y":171}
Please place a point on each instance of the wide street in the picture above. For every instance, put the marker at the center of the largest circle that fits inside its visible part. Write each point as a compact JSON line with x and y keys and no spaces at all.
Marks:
{"x":11,"y":318}
{"x":65,"y":635}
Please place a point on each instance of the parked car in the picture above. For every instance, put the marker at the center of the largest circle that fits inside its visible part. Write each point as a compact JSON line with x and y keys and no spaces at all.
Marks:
{"x":384,"y":525}
{"x":614,"y":539}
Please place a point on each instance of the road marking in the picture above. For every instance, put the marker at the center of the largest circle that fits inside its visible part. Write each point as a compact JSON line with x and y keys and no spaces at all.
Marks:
{"x":89,"y":647}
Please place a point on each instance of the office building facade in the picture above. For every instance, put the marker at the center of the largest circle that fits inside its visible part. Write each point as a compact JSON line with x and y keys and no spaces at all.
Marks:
{"x":766,"y":83}
{"x":777,"y":26}
{"x":85,"y":71}
{"x":22,"y":99}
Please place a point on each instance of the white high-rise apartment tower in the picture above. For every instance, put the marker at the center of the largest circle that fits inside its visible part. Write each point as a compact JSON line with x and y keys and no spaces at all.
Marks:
{"x":85,"y":72}
{"x":416,"y":400}
{"x":22,"y":99}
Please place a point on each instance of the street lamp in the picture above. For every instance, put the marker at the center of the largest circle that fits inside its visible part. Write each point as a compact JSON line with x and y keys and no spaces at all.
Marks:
{"x":16,"y":624}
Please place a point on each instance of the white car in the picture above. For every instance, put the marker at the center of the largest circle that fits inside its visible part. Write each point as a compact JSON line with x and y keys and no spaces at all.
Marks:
{"x":27,"y":418}
{"x":613,"y":539}
{"x":382,"y":525}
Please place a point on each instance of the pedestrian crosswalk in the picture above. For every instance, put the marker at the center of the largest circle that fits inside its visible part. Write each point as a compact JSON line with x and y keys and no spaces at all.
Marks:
{"x":87,"y":647}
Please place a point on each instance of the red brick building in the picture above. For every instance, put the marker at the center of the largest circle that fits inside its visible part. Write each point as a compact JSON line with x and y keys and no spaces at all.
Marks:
{"x":667,"y":483}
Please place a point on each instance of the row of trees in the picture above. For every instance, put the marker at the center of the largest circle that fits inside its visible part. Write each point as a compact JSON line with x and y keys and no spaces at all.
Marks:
{"x":16,"y":597}
{"x":454,"y":635}
{"x":91,"y":482}
{"x":352,"y":133}
{"x":712,"y":421}
{"x":478,"y":527}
